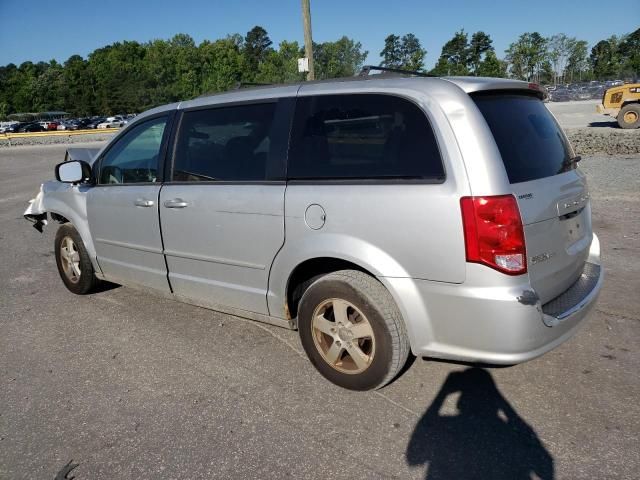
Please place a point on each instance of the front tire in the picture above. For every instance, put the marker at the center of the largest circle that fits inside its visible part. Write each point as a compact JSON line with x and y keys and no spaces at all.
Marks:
{"x":352,"y":330}
{"x":74,"y":265}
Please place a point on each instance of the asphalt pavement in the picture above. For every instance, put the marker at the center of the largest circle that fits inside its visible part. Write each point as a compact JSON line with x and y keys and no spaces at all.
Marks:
{"x":127,"y":385}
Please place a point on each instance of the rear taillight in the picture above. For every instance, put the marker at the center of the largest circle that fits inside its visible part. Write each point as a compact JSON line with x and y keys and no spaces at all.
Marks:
{"x":493,"y":233}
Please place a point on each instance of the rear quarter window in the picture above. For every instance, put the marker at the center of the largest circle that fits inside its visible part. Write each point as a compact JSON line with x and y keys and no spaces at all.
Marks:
{"x":530,"y":140}
{"x":362,"y":136}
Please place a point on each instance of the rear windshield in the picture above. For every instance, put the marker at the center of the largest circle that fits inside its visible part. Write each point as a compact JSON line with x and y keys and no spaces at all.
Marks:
{"x":530,"y":141}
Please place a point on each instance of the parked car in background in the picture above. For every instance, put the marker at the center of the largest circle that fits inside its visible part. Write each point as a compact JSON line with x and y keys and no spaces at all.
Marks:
{"x":112,"y":122}
{"x":7,"y":126}
{"x":360,"y":175}
{"x":94,"y":122}
{"x":581,"y":93}
{"x":83,"y":123}
{"x":15,"y":128}
{"x":560,"y":94}
{"x":31,"y":127}
{"x":68,"y":125}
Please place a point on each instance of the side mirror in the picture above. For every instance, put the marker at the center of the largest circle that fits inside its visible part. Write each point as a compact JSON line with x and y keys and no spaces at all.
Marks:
{"x":74,"y":171}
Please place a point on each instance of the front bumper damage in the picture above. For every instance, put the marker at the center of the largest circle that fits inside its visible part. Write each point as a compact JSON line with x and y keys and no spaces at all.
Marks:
{"x":36,"y":212}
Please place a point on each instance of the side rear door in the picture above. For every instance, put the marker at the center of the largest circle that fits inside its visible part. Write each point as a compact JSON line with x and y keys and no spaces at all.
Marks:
{"x":122,"y":208}
{"x":222,"y":211}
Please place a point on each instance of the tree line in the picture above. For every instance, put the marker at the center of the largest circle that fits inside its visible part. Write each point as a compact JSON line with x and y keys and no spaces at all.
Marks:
{"x":131,"y":77}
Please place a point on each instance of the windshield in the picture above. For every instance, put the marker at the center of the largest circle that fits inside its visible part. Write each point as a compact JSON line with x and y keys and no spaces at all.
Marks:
{"x":530,"y":140}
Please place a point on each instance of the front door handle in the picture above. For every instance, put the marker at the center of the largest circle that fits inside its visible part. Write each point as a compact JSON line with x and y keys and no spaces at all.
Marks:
{"x":175,"y":203}
{"x":143,"y":202}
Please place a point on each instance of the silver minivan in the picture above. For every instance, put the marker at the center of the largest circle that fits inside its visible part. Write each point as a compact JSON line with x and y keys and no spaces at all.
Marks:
{"x":380,"y":216}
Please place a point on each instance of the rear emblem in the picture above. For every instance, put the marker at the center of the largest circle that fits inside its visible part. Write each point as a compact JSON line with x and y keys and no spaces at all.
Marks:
{"x":543,"y":257}
{"x":525,"y":196}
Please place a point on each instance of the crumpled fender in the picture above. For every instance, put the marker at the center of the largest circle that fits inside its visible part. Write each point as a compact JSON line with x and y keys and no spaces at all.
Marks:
{"x":35,"y":212}
{"x":63,"y":202}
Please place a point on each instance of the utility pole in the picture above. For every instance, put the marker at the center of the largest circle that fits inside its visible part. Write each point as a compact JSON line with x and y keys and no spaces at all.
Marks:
{"x":308,"y":42}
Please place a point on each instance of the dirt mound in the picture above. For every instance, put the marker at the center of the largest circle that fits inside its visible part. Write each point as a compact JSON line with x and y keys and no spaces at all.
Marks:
{"x":608,"y":141}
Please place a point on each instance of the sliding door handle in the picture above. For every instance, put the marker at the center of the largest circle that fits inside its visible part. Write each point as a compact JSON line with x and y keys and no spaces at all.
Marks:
{"x":143,"y":202}
{"x":175,"y":203}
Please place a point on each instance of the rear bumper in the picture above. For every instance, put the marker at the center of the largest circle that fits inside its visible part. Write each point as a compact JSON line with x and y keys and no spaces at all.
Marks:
{"x":502,"y":324}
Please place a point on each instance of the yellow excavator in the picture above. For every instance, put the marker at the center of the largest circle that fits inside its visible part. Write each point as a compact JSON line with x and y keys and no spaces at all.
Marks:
{"x":623,"y":103}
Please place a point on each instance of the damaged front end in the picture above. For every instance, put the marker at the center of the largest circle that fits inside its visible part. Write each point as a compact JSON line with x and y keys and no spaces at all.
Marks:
{"x":35,"y":212}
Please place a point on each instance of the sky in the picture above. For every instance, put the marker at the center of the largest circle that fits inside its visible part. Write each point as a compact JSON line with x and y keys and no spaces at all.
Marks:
{"x":45,"y":30}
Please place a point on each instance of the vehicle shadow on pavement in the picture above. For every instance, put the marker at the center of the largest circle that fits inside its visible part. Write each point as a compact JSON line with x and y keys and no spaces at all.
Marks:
{"x":484,"y":439}
{"x":612,"y":124}
{"x":104,"y":286}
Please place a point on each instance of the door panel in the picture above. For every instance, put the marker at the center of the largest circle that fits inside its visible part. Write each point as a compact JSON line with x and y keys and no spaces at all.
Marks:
{"x":122,"y":208}
{"x":219,"y":248}
{"x":223,"y":218}
{"x":127,"y":235}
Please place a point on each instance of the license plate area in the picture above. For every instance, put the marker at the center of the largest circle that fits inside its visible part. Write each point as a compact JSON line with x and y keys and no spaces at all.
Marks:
{"x":574,"y":226}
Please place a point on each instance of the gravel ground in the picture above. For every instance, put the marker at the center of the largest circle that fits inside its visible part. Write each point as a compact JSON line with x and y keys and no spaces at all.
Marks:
{"x":129,"y":385}
{"x":613,"y":141}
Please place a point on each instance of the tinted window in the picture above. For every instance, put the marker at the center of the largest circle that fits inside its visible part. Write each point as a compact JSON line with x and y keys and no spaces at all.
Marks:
{"x":229,"y":143}
{"x":134,"y":157}
{"x":362,"y":136}
{"x":530,"y":141}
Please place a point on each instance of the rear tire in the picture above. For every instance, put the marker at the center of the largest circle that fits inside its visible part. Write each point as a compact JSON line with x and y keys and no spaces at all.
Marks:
{"x":629,"y":116}
{"x":74,"y":265}
{"x":352,"y":330}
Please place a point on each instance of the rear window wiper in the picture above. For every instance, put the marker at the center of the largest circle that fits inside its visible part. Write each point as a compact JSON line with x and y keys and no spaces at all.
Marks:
{"x":569,"y":163}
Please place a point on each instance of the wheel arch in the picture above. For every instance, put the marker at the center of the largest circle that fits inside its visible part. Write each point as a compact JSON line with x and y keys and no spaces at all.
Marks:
{"x":305,"y":272}
{"x":71,"y":210}
{"x":630,"y":101}
{"x":324,"y":252}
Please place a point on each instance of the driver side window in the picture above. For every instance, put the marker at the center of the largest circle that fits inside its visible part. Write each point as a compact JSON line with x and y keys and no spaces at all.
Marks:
{"x":134,"y":158}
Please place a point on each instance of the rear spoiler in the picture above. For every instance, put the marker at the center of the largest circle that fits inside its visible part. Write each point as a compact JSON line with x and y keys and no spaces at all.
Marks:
{"x":486,"y":84}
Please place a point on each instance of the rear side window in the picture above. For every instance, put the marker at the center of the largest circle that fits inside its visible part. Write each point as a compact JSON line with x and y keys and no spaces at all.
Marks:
{"x":530,"y":141}
{"x":225,"y":144}
{"x":363,"y":136}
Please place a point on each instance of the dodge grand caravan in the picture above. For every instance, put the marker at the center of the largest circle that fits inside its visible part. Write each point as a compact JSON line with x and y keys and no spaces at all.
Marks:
{"x":379,"y":216}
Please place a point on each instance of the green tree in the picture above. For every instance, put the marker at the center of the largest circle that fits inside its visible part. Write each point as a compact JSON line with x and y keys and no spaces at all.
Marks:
{"x":492,"y":66}
{"x":281,"y":66}
{"x":392,"y":52}
{"x":479,"y":46}
{"x":629,"y":52}
{"x":577,"y":63}
{"x":342,"y":58}
{"x":257,"y":46}
{"x":604,"y":58}
{"x":526,"y":56}
{"x":454,"y":58}
{"x":48,"y":87}
{"x":223,"y":64}
{"x":78,"y":91}
{"x":404,"y":52}
{"x":547,"y":74}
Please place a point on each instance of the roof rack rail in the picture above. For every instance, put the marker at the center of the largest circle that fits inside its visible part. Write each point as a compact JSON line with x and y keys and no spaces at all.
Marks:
{"x":367,"y":69}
